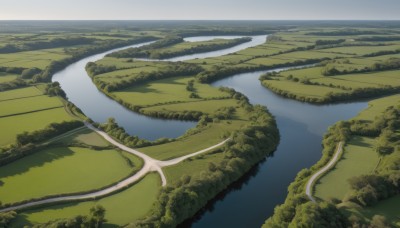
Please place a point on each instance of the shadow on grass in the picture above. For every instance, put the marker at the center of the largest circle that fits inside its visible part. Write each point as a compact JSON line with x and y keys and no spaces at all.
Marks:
{"x":35,"y":160}
{"x":359,"y":141}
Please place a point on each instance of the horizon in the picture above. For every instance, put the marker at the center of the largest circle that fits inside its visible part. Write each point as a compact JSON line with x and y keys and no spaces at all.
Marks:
{"x":251,"y":10}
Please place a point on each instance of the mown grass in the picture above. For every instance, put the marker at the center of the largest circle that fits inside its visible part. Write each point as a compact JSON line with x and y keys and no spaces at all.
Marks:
{"x":6,"y":77}
{"x":62,"y":170}
{"x":191,"y":166}
{"x":13,"y":125}
{"x":377,"y":107}
{"x":186,"y":145}
{"x":359,"y":158}
{"x":85,"y":136}
{"x":20,"y":93}
{"x":122,"y":208}
{"x":166,"y":90}
{"x":29,"y":59}
{"x":209,"y":106}
{"x":29,"y":104}
{"x":301,"y":90}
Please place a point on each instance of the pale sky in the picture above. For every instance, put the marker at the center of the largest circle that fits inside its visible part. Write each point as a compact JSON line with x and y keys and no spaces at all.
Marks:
{"x":199,"y":9}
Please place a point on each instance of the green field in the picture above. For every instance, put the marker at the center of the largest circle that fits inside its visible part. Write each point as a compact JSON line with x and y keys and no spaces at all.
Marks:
{"x":30,"y":104}
{"x":209,"y":106}
{"x":376,"y":107}
{"x":14,"y":125}
{"x":20,"y":93}
{"x":186,"y":145}
{"x":166,"y":90}
{"x":6,"y":77}
{"x":122,"y":208}
{"x":191,"y":166}
{"x":30,"y":59}
{"x":359,"y":158}
{"x":62,"y":170}
{"x":390,"y":208}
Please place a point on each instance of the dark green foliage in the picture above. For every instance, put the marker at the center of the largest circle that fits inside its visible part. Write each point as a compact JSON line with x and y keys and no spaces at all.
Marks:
{"x":6,"y":218}
{"x":344,"y":32}
{"x":94,"y":220}
{"x":17,"y":83}
{"x":219,"y":72}
{"x":190,"y":86}
{"x":29,"y":73}
{"x":119,"y":133}
{"x":161,"y":54}
{"x":146,"y":51}
{"x":50,"y":131}
{"x":379,"y":221}
{"x":389,"y":64}
{"x":369,"y":189}
{"x":83,"y":52}
{"x":248,"y":146}
{"x":54,"y":43}
{"x":54,"y":89}
{"x":318,"y":215}
{"x":171,"y":70}
{"x":328,"y":42}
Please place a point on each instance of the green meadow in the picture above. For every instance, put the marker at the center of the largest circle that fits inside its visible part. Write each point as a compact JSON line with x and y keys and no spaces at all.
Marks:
{"x":61,"y":170}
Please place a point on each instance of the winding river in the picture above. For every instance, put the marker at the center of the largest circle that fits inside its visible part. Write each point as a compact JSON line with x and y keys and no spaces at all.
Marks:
{"x":249,"y":202}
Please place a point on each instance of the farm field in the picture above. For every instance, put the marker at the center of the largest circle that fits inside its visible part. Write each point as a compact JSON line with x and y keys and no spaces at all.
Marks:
{"x":122,"y":208}
{"x":48,"y":168}
{"x":28,"y":110}
{"x":339,"y":64}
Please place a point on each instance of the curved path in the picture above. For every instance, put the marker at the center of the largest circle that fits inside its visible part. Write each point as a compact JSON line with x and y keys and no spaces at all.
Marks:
{"x":150,"y":164}
{"x":316,"y":175}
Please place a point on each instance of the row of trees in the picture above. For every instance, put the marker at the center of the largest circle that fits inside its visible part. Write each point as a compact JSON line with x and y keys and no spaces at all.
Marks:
{"x":219,"y":72}
{"x":95,"y":219}
{"x":50,"y":131}
{"x":164,"y":54}
{"x":52,"y":43}
{"x":145,"y":51}
{"x":247,"y":147}
{"x":170,"y":70}
{"x":389,"y":64}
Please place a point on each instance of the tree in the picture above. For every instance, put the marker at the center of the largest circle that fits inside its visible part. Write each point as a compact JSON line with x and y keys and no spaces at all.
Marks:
{"x":97,"y":214}
{"x":379,"y":221}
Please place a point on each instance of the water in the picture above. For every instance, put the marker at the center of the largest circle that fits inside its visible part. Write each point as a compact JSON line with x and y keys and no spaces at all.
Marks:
{"x":83,"y":93}
{"x":301,"y":127}
{"x":250,"y":201}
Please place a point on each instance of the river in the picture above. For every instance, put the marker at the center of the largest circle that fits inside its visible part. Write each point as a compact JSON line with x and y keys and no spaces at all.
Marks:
{"x":251,"y":201}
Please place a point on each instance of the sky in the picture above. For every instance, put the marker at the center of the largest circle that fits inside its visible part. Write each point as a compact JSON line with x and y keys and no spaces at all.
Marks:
{"x":199,"y":9}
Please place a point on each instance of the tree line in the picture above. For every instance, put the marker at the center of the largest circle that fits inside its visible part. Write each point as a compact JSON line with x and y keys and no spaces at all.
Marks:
{"x":247,"y":147}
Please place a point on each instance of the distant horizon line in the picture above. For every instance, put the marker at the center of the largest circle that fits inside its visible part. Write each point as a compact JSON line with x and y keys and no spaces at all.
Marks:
{"x":199,"y":19}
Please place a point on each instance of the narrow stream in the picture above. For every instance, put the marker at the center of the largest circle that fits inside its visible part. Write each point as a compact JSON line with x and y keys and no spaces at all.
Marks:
{"x":250,"y":202}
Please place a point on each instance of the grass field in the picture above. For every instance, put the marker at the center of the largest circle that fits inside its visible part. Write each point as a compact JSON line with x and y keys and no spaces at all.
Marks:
{"x":390,"y":208}
{"x":20,"y":93}
{"x":122,"y":208}
{"x":210,"y":136}
{"x":13,"y":125}
{"x":83,"y":135}
{"x":209,"y":106}
{"x":62,"y":170}
{"x":166,"y":90}
{"x":29,"y":104}
{"x":6,"y":77}
{"x":29,"y":59}
{"x":191,"y":167}
{"x":359,"y":158}
{"x":376,"y":107}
